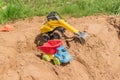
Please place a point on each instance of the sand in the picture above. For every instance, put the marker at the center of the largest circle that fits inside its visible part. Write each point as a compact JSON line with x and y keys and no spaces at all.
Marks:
{"x":98,"y":59}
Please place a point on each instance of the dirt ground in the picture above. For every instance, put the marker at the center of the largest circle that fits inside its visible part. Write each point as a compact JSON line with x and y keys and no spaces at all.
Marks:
{"x":98,"y":59}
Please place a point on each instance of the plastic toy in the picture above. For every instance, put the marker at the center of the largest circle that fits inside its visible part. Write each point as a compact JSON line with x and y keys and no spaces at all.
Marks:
{"x":55,"y":27}
{"x":48,"y":58}
{"x":63,"y":55}
{"x":54,"y":51}
{"x":6,"y":28}
{"x":50,"y":47}
{"x":56,"y":61}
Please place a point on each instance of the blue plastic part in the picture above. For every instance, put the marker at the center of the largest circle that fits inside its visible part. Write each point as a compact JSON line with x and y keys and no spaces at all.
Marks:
{"x":63,"y":55}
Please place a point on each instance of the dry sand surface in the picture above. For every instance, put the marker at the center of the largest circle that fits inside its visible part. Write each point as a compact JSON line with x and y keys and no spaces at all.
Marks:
{"x":98,"y":59}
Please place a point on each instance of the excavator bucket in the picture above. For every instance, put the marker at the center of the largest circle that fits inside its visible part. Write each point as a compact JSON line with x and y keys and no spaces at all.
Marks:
{"x":81,"y":37}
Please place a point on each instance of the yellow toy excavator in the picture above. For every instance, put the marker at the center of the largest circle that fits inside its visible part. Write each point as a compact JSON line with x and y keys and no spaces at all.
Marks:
{"x":55,"y":27}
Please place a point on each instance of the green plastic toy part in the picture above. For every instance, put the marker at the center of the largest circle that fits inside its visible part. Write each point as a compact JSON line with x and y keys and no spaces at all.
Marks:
{"x":46,"y":57}
{"x":56,"y":61}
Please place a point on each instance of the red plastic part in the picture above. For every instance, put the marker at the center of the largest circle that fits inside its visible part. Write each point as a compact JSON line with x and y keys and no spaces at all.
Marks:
{"x":51,"y":46}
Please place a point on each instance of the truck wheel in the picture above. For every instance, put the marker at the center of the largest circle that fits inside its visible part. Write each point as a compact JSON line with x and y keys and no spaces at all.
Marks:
{"x":56,"y":61}
{"x":46,"y":57}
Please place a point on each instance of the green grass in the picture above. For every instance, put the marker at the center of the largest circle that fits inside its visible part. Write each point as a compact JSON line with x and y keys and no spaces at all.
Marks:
{"x":15,"y":9}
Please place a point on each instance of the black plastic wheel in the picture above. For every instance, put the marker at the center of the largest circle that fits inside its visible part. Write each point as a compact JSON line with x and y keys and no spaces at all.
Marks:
{"x":41,"y":39}
{"x":56,"y":34}
{"x":45,"y":37}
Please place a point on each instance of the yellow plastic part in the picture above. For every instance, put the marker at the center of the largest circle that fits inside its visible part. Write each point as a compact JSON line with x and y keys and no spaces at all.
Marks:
{"x":52,"y":24}
{"x":51,"y":56}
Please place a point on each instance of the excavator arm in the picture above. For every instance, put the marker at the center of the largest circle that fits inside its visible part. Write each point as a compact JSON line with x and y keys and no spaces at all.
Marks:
{"x":52,"y":24}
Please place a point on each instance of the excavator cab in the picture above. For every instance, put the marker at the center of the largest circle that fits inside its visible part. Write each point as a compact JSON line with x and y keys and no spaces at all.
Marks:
{"x":52,"y":16}
{"x":55,"y":27}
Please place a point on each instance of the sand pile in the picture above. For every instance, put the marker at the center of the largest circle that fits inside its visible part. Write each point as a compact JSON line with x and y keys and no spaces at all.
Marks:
{"x":98,"y":59}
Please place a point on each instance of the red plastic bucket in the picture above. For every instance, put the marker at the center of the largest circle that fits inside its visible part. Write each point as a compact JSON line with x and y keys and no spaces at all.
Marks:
{"x":50,"y":47}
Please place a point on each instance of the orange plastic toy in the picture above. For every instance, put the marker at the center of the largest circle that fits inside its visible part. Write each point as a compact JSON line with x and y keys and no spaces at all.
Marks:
{"x":6,"y":28}
{"x":51,"y":46}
